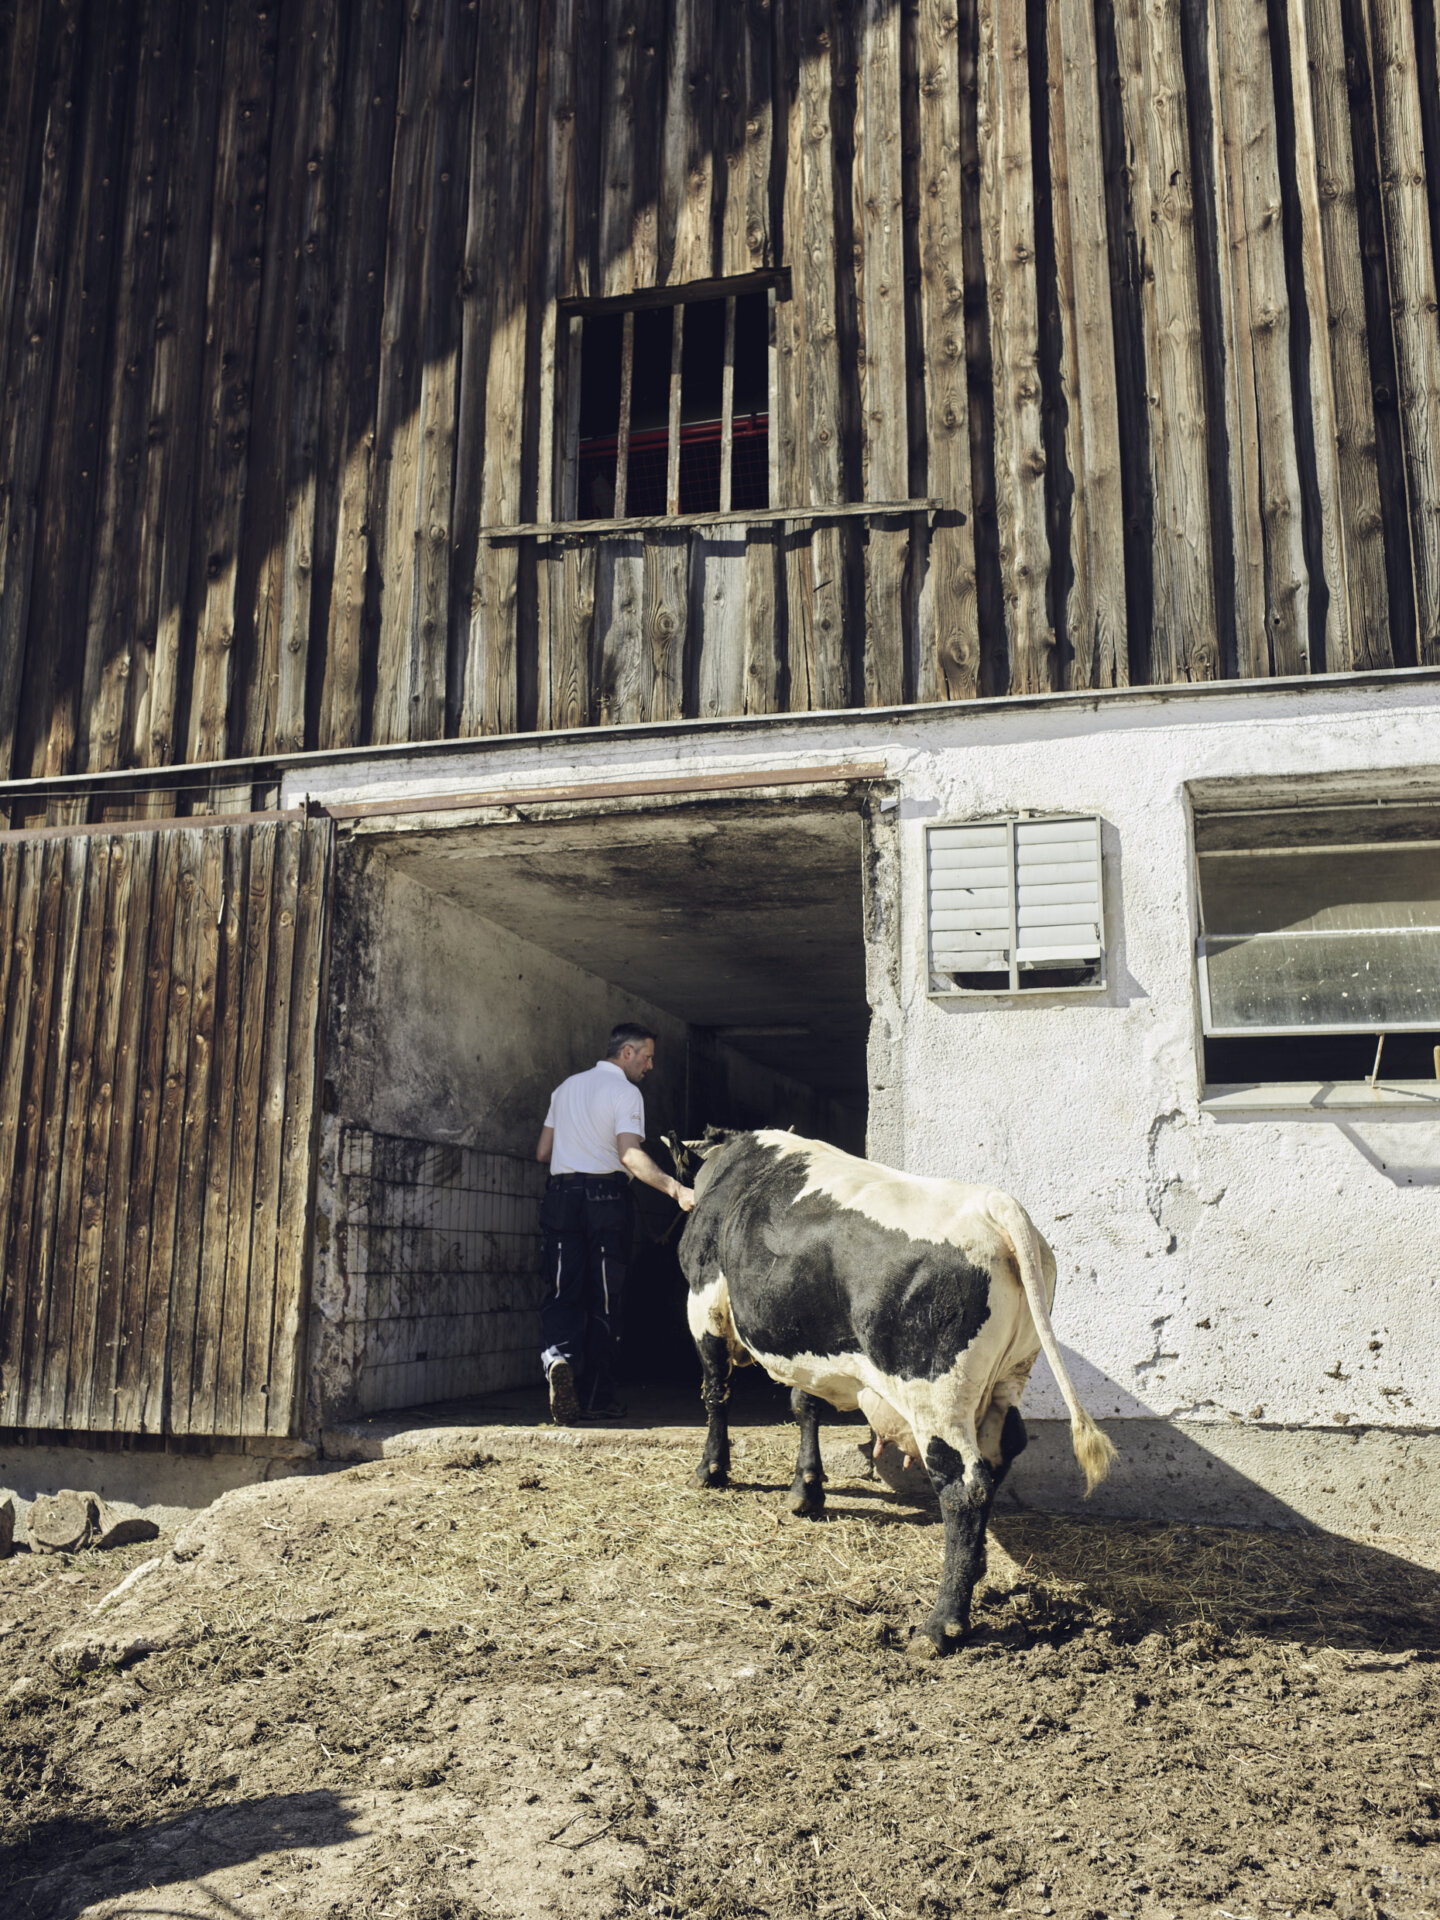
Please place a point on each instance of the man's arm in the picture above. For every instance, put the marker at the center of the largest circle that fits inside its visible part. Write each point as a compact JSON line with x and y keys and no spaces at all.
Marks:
{"x":545,"y":1146}
{"x":637,"y":1162}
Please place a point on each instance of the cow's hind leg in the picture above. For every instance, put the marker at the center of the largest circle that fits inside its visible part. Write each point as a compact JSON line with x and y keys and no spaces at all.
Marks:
{"x":966,"y":1491}
{"x":714,"y":1467}
{"x":807,"y":1494}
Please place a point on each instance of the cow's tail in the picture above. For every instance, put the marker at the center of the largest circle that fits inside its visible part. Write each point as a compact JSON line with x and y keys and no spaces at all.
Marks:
{"x":1093,"y":1449}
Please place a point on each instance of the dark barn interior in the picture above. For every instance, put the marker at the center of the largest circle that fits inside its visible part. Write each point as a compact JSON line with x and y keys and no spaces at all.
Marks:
{"x":505,"y":947}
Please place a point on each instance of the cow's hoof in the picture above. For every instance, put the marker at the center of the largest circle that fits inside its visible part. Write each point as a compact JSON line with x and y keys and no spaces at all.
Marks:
{"x":944,"y":1635}
{"x":806,"y":1502}
{"x":708,"y":1476}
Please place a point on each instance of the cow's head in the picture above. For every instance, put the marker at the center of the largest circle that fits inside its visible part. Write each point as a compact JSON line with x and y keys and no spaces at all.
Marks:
{"x":688,"y":1155}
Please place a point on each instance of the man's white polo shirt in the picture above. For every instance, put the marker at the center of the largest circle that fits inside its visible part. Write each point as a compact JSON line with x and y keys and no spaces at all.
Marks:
{"x":588,"y":1112}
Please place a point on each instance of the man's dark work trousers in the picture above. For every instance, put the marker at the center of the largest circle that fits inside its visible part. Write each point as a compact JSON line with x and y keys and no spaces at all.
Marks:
{"x":586,"y":1223}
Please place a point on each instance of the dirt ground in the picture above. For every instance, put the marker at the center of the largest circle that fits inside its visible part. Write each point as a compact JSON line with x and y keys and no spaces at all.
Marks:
{"x":569,"y":1684}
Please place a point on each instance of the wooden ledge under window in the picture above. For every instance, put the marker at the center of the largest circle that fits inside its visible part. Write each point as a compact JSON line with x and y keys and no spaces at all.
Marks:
{"x":1325,"y":1096}
{"x":743,"y":517}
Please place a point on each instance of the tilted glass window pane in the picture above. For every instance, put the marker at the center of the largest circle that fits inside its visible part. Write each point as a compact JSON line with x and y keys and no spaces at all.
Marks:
{"x":1321,"y":937}
{"x":1385,"y":978}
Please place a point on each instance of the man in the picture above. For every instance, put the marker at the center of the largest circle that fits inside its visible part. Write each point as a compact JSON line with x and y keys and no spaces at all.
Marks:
{"x":593,"y":1143}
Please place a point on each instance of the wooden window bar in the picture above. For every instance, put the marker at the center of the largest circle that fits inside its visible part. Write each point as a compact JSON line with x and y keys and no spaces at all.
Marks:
{"x":571,"y":527}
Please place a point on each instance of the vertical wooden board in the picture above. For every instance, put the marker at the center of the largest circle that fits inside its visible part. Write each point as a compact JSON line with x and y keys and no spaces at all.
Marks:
{"x":111,"y":663}
{"x":562,"y":196}
{"x":30,"y":367}
{"x":80,"y":1394}
{"x":145,"y":1288}
{"x":269,"y":1130}
{"x":948,"y":650}
{"x":1183,"y":641}
{"x":273,"y":601}
{"x":686,"y":238}
{"x":70,"y":1322}
{"x":1358,"y":616}
{"x":50,"y":717}
{"x":664,"y":620}
{"x":1413,"y":304}
{"x":106,"y":1241}
{"x":764,"y":586}
{"x":347,"y":419}
{"x":226,"y":1124}
{"x":571,"y":634}
{"x":24,"y":97}
{"x":398,"y":421}
{"x":164,"y":617}
{"x":286,"y":1378}
{"x":727,"y":143}
{"x":1265,"y":477}
{"x":47,"y":1090}
{"x":201,"y":1091}
{"x":253,"y":983}
{"x":619,"y":111}
{"x":27,"y":965}
{"x":163,"y":1332}
{"x":759,"y":159}
{"x":486,"y":165}
{"x":1095,"y":610}
{"x":718,"y":571}
{"x":491,"y":702}
{"x":241,"y":199}
{"x":622,"y":685}
{"x":822,"y":680}
{"x":431,"y":525}
{"x":1008,"y":207}
{"x":885,"y":444}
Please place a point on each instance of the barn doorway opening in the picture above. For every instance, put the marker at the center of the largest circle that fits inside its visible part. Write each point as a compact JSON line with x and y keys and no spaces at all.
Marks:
{"x":478,"y":961}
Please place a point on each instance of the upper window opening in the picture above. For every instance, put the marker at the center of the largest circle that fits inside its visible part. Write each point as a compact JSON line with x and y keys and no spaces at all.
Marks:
{"x":672,"y":414}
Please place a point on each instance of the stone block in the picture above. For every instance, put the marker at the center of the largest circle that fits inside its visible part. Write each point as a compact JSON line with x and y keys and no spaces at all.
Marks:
{"x":63,"y":1522}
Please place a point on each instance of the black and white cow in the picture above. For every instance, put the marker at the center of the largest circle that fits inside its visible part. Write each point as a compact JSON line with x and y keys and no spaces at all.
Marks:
{"x":922,"y":1302}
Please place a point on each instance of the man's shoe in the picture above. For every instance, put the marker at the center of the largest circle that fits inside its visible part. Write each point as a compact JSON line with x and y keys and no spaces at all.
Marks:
{"x":606,"y":1410}
{"x":564,"y":1401}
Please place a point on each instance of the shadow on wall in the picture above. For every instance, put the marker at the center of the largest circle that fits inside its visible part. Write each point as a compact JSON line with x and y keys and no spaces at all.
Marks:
{"x":106,"y":1861}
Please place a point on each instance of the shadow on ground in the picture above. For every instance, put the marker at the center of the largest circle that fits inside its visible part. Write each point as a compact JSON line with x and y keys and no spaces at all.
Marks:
{"x":108,"y":1862}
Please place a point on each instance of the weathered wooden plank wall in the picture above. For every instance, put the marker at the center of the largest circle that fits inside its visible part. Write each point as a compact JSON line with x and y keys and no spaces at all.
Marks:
{"x":1142,"y":292}
{"x":157,"y":1125}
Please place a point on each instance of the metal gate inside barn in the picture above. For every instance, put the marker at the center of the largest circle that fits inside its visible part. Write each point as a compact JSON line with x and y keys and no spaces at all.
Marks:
{"x":163,"y":995}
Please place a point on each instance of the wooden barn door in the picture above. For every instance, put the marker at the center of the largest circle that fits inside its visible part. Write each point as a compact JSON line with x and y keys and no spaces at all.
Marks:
{"x":162,"y":995}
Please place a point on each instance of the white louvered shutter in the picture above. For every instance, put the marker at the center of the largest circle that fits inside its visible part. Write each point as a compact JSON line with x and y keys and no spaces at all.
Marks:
{"x":1014,"y":897}
{"x":970,"y":899}
{"x":1057,"y":891}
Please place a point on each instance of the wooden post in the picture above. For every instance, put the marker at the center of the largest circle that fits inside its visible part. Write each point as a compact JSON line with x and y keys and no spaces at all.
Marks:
{"x":672,"y":465}
{"x":727,"y":406}
{"x":622,"y":437}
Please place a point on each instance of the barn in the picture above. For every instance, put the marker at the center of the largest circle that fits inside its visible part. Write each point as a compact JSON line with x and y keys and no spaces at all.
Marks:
{"x":898,"y":542}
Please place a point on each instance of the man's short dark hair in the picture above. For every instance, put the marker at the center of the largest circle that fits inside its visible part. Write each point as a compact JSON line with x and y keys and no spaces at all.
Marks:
{"x":627,"y":1034}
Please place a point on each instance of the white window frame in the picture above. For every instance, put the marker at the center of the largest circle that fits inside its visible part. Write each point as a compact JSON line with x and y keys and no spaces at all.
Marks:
{"x":1213,"y":1031}
{"x":941,"y":976}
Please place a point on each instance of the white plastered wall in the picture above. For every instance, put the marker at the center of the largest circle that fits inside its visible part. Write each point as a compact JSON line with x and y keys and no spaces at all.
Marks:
{"x":1251,"y":1300}
{"x":1274,"y":1268}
